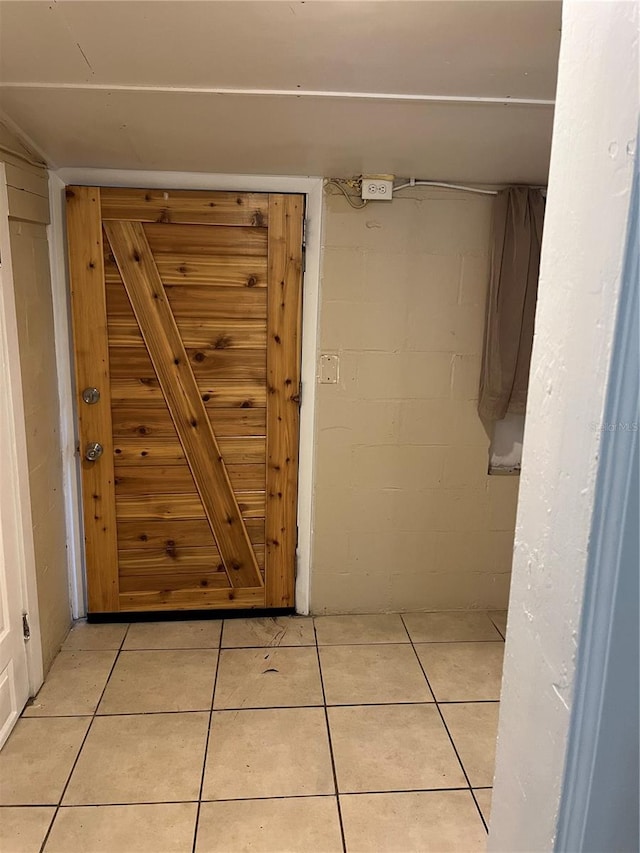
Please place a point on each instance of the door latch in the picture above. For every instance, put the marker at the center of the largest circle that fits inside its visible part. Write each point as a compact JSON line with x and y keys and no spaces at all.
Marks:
{"x":93,"y":451}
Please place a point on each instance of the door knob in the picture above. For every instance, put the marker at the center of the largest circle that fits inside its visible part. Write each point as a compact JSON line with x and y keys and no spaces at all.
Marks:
{"x":90,"y":396}
{"x":93,"y":451}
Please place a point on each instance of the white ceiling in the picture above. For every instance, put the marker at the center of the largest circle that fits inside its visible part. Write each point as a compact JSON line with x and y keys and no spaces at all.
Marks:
{"x":94,"y":84}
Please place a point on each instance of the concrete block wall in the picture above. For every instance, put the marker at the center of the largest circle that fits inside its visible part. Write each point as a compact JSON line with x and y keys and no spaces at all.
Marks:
{"x":405,"y":515}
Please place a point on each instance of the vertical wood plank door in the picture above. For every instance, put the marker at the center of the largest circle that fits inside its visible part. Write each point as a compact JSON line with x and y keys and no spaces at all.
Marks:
{"x":186,"y":313}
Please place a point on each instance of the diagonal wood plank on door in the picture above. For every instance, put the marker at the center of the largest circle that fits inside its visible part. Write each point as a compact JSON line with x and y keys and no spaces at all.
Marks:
{"x":175,"y":376}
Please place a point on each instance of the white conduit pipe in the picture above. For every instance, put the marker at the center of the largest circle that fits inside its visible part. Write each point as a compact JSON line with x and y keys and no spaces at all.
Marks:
{"x":413,"y":183}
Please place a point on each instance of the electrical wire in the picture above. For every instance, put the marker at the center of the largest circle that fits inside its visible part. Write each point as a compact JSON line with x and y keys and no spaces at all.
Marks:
{"x":351,"y":182}
{"x":413,"y":183}
{"x":334,"y":182}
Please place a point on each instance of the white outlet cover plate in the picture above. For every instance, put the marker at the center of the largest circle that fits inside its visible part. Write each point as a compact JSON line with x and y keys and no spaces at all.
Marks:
{"x":329,"y":364}
{"x":376,"y":189}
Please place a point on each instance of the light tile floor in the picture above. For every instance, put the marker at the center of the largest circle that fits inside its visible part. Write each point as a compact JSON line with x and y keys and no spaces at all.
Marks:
{"x":288,"y":735}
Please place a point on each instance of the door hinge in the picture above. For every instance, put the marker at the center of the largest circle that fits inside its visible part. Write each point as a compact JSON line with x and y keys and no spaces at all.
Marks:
{"x":26,"y":630}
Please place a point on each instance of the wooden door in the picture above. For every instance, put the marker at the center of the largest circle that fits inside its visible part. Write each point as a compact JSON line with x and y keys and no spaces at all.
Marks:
{"x":186,"y":315}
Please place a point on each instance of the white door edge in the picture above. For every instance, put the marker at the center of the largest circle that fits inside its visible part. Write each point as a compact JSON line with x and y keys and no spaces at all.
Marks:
{"x":16,"y":538}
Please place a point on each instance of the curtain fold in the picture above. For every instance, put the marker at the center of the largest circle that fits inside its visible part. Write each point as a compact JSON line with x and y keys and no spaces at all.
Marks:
{"x":511,"y":302}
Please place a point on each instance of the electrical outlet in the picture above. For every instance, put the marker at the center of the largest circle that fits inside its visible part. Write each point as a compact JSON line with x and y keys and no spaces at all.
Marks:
{"x":376,"y":188}
{"x":329,"y":364}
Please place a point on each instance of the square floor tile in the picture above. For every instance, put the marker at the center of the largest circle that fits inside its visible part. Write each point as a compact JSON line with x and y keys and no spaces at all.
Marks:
{"x":374,"y":628}
{"x":86,"y":637}
{"x":298,"y":825}
{"x":73,"y":686}
{"x":168,"y":680}
{"x":36,"y":760}
{"x":474,"y":729}
{"x":450,"y":627}
{"x":360,"y":675}
{"x":499,"y":619}
{"x":423,"y":822}
{"x":484,"y":796}
{"x":392,"y":748}
{"x":268,"y":753}
{"x":22,"y":830}
{"x":268,"y":678}
{"x":194,"y":634}
{"x":271,"y":631}
{"x":150,"y":758}
{"x":463,"y":672}
{"x":163,"y":828}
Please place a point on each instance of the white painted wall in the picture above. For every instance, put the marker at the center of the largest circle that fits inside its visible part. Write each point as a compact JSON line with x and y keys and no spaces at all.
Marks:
{"x":580,"y":278}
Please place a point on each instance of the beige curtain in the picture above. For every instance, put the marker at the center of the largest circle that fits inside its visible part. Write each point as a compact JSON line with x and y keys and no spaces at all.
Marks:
{"x":511,"y":302}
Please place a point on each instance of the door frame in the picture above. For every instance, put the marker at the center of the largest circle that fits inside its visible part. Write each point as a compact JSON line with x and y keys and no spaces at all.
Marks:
{"x":17,"y":535}
{"x":311,"y":188}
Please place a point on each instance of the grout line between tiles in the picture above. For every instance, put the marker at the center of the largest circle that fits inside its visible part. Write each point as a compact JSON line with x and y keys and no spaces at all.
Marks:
{"x":267,"y":708}
{"x":241,"y":799}
{"x":84,"y":740}
{"x":274,"y":797}
{"x":370,"y":643}
{"x":340,"y":794}
{"x":95,"y":805}
{"x":173,"y":649}
{"x":405,"y":791}
{"x":333,"y":761}
{"x":273,"y":646}
{"x":82,"y":652}
{"x":206,"y":743}
{"x":502,"y":634}
{"x":455,"y":749}
{"x":499,"y":639}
